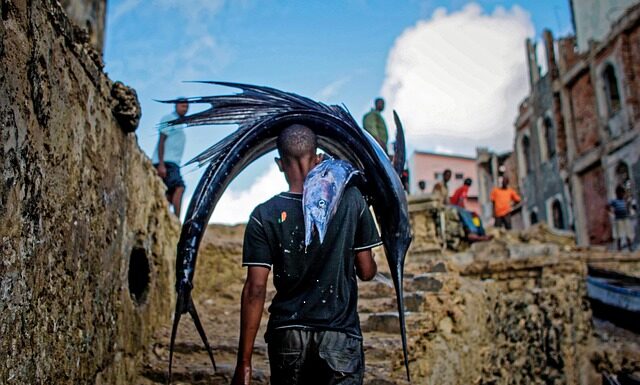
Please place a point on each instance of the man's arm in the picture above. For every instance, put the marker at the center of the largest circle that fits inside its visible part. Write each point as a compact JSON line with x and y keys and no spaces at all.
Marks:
{"x":366,"y":267}
{"x":162,"y":170}
{"x":514,"y":195}
{"x":252,"y":305}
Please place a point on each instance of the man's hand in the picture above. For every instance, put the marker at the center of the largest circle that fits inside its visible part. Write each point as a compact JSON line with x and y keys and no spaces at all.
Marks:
{"x":242,"y":375}
{"x":162,"y":171}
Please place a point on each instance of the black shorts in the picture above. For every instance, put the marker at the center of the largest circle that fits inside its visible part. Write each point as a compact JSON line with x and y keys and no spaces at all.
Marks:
{"x":173,"y":180}
{"x":315,"y":357}
{"x":503,"y":222}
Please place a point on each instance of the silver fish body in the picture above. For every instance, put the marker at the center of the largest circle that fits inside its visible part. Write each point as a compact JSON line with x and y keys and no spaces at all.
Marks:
{"x":321,"y":194}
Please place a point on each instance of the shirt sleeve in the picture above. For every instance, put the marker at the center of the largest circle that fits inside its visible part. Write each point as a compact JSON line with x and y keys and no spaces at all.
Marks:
{"x":164,"y":128}
{"x":367,"y":235}
{"x":255,"y":249}
{"x":515,"y":196}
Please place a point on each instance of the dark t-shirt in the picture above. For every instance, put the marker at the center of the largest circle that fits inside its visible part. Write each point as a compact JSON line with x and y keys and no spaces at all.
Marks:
{"x":620,"y":209}
{"x":316,"y":288}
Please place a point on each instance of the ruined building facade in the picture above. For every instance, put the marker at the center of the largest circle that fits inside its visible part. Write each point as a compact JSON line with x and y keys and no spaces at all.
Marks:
{"x":577,"y":132}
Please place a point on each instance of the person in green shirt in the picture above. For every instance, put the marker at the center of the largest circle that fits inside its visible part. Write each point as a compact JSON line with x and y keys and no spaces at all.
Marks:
{"x":375,"y":125}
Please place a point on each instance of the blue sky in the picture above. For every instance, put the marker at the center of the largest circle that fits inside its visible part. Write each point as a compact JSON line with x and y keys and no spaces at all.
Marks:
{"x":345,"y":52}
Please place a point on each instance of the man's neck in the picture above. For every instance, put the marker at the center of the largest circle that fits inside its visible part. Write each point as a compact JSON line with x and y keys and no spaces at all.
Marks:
{"x":296,"y":188}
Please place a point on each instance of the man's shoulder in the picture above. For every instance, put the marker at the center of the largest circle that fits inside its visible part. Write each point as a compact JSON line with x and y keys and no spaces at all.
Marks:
{"x":353,"y":192}
{"x":169,"y":117}
{"x":274,"y":203}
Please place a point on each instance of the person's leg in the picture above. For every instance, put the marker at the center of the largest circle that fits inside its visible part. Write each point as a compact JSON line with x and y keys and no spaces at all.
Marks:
{"x":343,"y":358}
{"x":287,"y":355}
{"x":507,"y":221}
{"x":629,"y":232}
{"x":176,"y":200}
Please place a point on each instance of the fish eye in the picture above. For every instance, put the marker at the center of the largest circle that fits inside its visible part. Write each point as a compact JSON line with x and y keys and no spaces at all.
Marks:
{"x":322,"y":203}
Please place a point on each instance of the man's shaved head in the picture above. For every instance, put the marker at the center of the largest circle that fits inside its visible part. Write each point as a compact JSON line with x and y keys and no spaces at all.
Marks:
{"x":297,"y":141}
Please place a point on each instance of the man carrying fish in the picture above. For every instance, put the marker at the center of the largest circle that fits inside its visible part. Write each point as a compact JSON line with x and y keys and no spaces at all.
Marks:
{"x":313,"y":334}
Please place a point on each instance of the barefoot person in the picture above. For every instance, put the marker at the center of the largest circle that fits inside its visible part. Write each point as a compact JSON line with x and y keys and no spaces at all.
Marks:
{"x":313,"y":334}
{"x":167,"y":156}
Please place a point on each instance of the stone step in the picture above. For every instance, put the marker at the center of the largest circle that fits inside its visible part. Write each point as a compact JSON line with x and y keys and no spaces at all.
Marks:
{"x":161,"y":350}
{"x":198,"y":374}
{"x":386,"y":322}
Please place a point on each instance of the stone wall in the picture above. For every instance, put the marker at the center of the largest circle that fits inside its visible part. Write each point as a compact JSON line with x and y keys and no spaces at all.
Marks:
{"x":86,"y":240}
{"x":511,"y":313}
{"x":90,"y":16}
{"x":585,"y":118}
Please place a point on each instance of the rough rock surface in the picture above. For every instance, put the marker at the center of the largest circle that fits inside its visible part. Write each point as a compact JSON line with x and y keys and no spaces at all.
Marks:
{"x":507,"y":313}
{"x":126,"y":108}
{"x":86,"y":240}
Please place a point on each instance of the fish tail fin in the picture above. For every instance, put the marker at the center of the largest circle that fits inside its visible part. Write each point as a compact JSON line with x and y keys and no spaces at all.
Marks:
{"x":174,"y":332}
{"x":203,"y":336}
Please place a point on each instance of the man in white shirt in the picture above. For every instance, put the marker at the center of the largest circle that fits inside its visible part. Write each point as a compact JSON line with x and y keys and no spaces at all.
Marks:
{"x":167,"y":156}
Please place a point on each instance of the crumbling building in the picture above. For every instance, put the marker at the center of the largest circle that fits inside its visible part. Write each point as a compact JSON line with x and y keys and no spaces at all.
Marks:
{"x":577,"y":131}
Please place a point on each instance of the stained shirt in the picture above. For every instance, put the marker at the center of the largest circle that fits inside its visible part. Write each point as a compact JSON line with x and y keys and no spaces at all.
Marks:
{"x":502,"y":198}
{"x":316,"y":286}
{"x":174,"y":143}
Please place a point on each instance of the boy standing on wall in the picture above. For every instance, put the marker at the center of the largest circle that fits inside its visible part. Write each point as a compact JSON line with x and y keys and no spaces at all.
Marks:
{"x":168,"y":155}
{"x":622,"y":220}
{"x":502,"y":198}
{"x":313,"y":334}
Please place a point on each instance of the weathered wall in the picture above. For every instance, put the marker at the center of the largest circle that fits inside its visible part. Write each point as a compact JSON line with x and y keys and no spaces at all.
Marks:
{"x":78,"y":198}
{"x":593,"y":18}
{"x":595,"y":194}
{"x":585,"y":117}
{"x":497,"y":323}
{"x":543,"y":183}
{"x":89,"y":15}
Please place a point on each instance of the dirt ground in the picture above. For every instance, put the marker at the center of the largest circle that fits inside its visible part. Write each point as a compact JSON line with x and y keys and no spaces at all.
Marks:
{"x":218,"y":285}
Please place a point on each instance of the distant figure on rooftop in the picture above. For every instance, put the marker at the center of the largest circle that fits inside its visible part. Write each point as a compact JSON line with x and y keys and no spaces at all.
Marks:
{"x":442,"y":188}
{"x":502,"y":198}
{"x":374,"y":123}
{"x":460,"y":195}
{"x":167,"y":156}
{"x":622,"y":218}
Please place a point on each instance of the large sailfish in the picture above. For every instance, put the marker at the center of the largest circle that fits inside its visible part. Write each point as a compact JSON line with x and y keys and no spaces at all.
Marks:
{"x":261,"y":113}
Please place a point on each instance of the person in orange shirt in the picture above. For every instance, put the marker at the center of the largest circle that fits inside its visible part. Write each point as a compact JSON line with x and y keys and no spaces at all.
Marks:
{"x":502,"y":199}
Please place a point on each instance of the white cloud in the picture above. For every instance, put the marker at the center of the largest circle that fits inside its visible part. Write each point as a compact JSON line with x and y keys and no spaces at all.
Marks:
{"x":235,"y":207}
{"x":332,"y":89}
{"x":444,"y":149}
{"x":197,"y":13}
{"x":457,"y":79}
{"x":122,"y":9}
